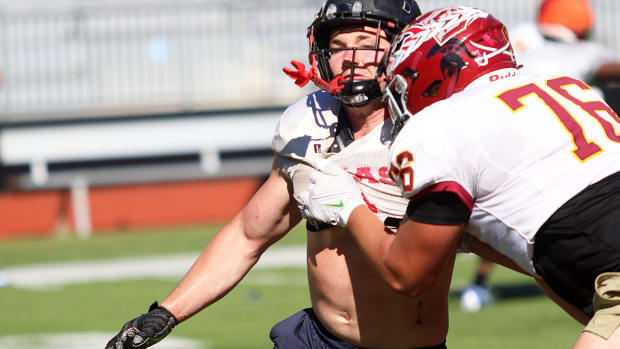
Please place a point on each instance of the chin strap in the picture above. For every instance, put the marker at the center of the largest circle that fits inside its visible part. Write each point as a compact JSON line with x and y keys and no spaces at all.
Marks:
{"x":302,"y":76}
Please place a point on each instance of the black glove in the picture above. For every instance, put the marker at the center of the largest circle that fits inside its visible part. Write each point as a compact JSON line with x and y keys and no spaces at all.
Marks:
{"x":145,"y":330}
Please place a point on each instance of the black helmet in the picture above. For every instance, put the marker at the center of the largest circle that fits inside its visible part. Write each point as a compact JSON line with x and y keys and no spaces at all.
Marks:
{"x":390,"y":15}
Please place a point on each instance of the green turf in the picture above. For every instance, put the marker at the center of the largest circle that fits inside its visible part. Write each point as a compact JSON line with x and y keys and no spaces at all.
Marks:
{"x":240,"y":320}
{"x":527,"y":322}
{"x":117,"y":244}
{"x":243,"y":318}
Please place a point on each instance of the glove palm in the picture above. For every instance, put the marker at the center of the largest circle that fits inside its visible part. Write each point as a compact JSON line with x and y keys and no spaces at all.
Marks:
{"x":332,"y":195}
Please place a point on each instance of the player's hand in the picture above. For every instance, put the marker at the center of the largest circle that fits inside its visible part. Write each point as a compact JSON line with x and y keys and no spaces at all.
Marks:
{"x":332,"y":194}
{"x":145,"y":330}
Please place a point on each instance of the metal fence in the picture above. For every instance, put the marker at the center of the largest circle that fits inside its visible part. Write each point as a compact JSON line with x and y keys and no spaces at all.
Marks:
{"x":129,"y":59}
{"x":103,"y":58}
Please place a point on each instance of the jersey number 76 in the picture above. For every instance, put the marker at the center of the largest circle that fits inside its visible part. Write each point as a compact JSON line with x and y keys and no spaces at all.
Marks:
{"x":584,"y":149}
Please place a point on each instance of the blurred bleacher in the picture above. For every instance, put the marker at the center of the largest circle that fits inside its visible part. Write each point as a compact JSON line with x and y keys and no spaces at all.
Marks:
{"x":101,"y":60}
{"x":110,"y":92}
{"x":108,"y":58}
{"x":64,"y":60}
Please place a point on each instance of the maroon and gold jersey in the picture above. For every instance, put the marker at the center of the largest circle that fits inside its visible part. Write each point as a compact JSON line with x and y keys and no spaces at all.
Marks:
{"x":514,"y":149}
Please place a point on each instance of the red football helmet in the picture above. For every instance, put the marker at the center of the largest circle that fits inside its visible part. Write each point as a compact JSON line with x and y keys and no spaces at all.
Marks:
{"x":439,"y":54}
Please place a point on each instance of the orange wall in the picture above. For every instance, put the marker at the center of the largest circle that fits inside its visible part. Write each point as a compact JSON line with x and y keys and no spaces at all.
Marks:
{"x":134,"y":206}
{"x":30,"y":213}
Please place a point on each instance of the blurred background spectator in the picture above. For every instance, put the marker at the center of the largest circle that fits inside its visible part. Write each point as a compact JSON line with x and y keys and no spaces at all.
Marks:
{"x":560,"y":44}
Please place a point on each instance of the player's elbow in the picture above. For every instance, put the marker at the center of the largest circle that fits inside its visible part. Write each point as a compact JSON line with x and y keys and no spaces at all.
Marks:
{"x":412,"y":287}
{"x":407,"y":280}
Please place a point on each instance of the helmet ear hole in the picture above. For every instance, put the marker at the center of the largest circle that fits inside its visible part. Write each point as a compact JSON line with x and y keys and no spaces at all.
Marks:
{"x":410,"y":73}
{"x":431,"y":90}
{"x":453,"y":67}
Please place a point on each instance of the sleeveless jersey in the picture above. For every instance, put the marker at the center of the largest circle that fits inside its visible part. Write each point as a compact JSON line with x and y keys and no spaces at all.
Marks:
{"x":514,"y":149}
{"x":306,"y":131}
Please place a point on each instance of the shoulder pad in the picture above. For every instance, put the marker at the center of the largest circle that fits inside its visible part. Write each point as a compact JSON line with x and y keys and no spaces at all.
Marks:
{"x":312,"y":118}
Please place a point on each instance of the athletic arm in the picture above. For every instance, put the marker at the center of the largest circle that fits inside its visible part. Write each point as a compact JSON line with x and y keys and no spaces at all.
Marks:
{"x":410,"y":261}
{"x":570,"y":309}
{"x":267,"y":217}
{"x":489,"y":253}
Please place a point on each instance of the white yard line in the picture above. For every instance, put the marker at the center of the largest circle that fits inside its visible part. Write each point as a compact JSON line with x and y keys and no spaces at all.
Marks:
{"x":85,"y":340}
{"x":152,"y":267}
{"x":165,"y":267}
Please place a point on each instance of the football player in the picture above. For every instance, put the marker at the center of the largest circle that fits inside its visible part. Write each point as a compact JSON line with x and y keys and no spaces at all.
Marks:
{"x":558,"y":44}
{"x":530,"y":165}
{"x":351,"y":306}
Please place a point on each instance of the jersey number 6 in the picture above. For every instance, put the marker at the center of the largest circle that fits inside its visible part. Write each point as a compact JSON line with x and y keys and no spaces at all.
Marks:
{"x":405,"y":173}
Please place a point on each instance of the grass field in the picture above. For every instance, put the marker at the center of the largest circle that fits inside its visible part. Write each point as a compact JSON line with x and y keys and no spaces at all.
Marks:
{"x":520,"y":319}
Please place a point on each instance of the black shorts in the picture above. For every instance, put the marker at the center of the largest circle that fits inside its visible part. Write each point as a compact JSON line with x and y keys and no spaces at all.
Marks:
{"x":303,"y":330}
{"x":580,"y":241}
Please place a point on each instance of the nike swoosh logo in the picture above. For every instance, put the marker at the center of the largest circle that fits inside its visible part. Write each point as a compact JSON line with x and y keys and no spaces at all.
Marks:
{"x":340,"y":204}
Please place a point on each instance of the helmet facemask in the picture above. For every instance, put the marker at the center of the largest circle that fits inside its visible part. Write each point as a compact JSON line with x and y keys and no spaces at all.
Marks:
{"x":396,"y":96}
{"x":354,"y":92}
{"x":385,"y":16}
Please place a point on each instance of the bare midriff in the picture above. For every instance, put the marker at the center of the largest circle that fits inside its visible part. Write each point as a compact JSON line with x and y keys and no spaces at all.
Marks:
{"x":355,"y":304}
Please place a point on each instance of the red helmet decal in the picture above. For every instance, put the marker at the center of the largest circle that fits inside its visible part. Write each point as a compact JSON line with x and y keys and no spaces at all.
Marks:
{"x":442,"y":25}
{"x":440,"y":54}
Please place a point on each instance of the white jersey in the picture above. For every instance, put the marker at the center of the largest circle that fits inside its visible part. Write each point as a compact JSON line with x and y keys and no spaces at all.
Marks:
{"x":307,"y":130}
{"x":514,"y":149}
{"x":540,"y":56}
